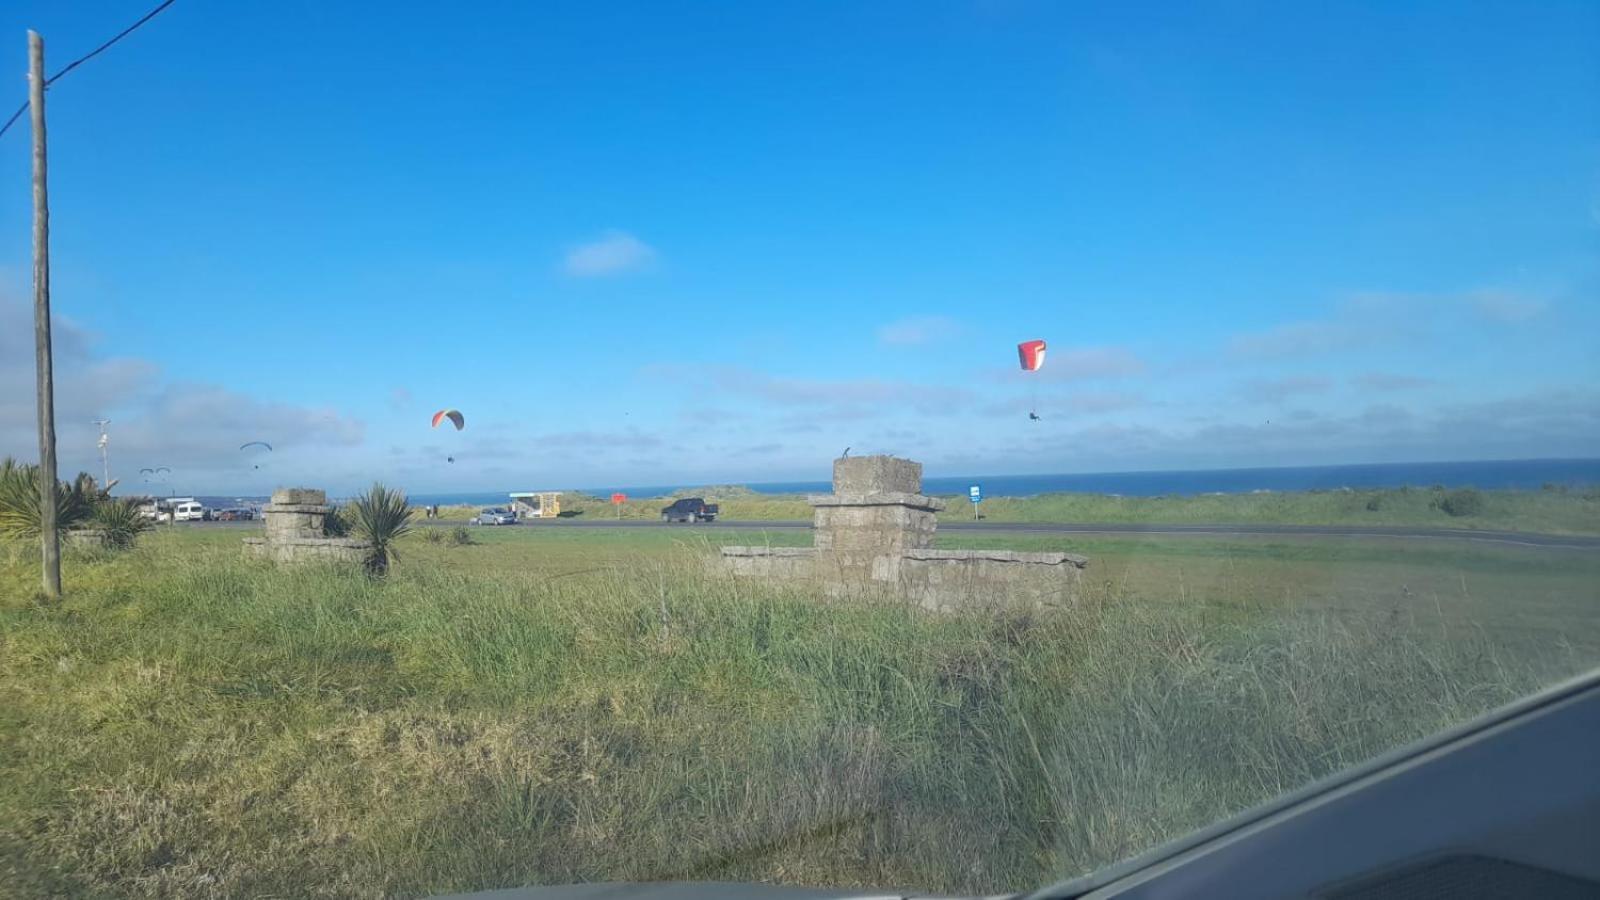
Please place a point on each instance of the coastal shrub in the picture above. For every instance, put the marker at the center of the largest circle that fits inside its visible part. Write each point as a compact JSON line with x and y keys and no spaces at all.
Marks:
{"x":380,"y":517}
{"x":19,"y":500}
{"x":120,"y":520}
{"x":336,"y":523}
{"x":1463,"y":502}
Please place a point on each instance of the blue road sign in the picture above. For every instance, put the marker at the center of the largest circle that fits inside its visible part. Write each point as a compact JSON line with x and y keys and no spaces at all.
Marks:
{"x":976,"y":493}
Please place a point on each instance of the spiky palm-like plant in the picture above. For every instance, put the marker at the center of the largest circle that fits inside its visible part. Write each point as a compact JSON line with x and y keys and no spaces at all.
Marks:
{"x":120,"y":520}
{"x":19,"y":500}
{"x":380,"y":517}
{"x":336,"y":523}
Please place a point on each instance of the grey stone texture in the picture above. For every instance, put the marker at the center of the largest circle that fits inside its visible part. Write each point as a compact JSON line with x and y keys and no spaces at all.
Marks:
{"x":871,"y":474}
{"x":874,"y":535}
{"x":294,"y":522}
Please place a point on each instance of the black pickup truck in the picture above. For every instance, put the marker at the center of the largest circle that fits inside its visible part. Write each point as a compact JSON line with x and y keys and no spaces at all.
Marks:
{"x":690,"y":510}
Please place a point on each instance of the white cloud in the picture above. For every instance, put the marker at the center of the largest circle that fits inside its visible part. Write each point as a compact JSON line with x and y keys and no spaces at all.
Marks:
{"x":613,"y":253}
{"x":1551,"y":423}
{"x":1507,"y":308}
{"x":1079,"y":364}
{"x":1297,"y":339}
{"x":197,"y":427}
{"x":1276,"y":390}
{"x":1079,"y":403}
{"x":711,"y":416}
{"x":919,"y":330}
{"x":1375,"y":318}
{"x":861,"y":397}
{"x":1389,"y":381}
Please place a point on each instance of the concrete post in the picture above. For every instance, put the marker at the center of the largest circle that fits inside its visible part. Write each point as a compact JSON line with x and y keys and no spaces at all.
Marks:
{"x":875,"y":513}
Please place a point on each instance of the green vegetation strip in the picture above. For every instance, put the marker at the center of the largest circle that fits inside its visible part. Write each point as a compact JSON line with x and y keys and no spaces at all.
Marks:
{"x":1553,"y":511}
{"x":534,"y":707}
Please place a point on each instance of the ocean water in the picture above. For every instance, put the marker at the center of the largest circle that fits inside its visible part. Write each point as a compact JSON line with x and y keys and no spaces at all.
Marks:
{"x":1526,"y":474}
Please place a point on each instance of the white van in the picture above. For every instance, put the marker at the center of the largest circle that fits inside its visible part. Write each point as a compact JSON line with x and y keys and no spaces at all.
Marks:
{"x":188,"y":511}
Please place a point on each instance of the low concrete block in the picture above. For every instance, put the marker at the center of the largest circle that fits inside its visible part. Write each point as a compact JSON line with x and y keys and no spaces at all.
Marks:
{"x":959,"y":579}
{"x":297,"y":496}
{"x":309,"y":550}
{"x":770,"y":562}
{"x":873,"y":536}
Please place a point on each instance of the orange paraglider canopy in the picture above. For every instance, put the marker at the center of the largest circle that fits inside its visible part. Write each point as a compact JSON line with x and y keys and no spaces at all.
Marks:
{"x":1031,"y":355}
{"x":451,"y":414}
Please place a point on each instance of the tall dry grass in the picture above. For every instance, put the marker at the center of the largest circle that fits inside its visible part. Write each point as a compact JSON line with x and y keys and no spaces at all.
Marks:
{"x":191,"y":723}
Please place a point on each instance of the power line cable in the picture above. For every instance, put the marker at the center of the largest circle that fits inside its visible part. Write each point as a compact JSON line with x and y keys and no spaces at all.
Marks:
{"x":85,"y":58}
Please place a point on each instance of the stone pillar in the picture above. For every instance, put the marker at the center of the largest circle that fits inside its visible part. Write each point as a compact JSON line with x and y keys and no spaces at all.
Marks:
{"x":295,"y":514}
{"x":875,"y":513}
{"x":294,"y":521}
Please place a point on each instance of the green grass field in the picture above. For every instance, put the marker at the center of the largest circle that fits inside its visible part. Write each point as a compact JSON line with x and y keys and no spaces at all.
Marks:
{"x":550,"y":705}
{"x":1550,"y":511}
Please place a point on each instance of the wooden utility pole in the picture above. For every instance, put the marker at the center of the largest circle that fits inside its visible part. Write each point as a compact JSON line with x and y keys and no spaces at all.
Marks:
{"x":49,"y":538}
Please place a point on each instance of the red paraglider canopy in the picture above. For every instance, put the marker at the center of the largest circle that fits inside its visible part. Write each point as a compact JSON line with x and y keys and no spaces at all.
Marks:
{"x":1031,"y":355}
{"x":451,"y":414}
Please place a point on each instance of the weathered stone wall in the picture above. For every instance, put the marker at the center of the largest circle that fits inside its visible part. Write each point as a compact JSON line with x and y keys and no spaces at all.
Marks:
{"x":295,"y":513}
{"x":770,"y":562}
{"x":87,"y":538}
{"x":298,"y":550}
{"x":857,"y":541}
{"x":876,"y":474}
{"x":294,"y":521}
{"x":873,"y":536}
{"x":957,"y":579}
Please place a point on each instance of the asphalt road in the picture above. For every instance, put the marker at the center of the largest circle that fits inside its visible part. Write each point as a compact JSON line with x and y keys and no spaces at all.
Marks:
{"x":1526,"y":539}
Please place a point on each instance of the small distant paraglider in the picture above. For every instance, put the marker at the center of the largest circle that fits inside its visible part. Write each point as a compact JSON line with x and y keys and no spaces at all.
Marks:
{"x":455,"y":418}
{"x":1031,"y":356}
{"x":262,"y":444}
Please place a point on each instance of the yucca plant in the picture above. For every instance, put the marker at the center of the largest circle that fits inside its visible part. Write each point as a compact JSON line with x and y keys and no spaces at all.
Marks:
{"x":19,"y":500}
{"x":380,"y":517}
{"x":120,"y":520}
{"x":336,"y":523}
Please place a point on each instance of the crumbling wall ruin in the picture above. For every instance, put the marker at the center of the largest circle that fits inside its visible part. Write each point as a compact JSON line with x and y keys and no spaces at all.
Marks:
{"x":874,"y":535}
{"x":294,"y":526}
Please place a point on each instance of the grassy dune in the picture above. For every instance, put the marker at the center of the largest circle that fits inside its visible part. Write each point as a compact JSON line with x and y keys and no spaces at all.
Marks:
{"x":1555,"y":512}
{"x":189,"y":723}
{"x":1551,"y":512}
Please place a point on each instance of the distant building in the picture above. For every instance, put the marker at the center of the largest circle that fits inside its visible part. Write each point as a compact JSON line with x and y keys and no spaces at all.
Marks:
{"x":536,"y":504}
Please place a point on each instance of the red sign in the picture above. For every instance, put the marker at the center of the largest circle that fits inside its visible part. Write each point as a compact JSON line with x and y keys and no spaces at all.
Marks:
{"x":618,"y":498}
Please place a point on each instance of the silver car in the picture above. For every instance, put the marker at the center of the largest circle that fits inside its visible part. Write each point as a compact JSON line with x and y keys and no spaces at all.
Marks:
{"x":496,"y":516}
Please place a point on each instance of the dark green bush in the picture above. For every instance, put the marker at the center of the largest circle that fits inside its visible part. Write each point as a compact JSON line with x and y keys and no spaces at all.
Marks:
{"x":120,"y":520}
{"x":336,"y":523}
{"x":1462,"y":502}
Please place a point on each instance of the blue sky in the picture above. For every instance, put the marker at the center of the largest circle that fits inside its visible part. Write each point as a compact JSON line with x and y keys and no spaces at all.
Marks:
{"x":651,"y":243}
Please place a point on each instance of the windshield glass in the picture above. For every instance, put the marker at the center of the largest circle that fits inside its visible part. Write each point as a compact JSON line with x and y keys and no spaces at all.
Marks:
{"x":954,"y":445}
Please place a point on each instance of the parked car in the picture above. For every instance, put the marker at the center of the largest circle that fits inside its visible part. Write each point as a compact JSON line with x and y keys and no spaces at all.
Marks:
{"x":497,"y":515}
{"x":233,"y":515}
{"x":690,"y":510}
{"x":188,"y":511}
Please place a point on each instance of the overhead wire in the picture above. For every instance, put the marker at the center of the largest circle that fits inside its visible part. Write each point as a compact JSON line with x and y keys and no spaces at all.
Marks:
{"x":86,"y":57}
